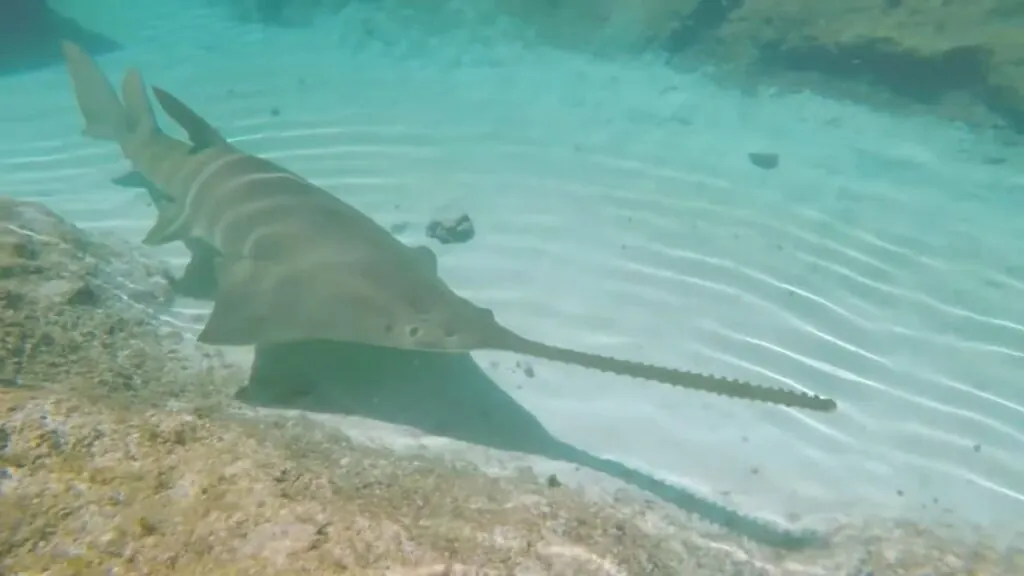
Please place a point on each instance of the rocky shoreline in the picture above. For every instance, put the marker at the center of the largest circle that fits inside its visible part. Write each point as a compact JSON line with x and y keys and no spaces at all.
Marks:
{"x":123,"y":452}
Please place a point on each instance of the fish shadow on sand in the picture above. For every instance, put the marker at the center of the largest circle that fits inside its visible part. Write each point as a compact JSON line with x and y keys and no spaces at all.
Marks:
{"x":449,"y":395}
{"x":30,"y":32}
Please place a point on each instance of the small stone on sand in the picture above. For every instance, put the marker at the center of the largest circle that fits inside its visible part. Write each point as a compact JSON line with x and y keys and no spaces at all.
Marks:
{"x":458,"y":230}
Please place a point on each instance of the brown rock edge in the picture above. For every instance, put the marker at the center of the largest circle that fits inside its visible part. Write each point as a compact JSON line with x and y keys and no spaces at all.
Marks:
{"x":961,"y":60}
{"x":120,"y":454}
{"x":955,"y":56}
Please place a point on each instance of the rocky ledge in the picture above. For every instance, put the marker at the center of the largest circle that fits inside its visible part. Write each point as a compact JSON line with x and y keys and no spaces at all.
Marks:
{"x":964,"y":60}
{"x":957,"y":56}
{"x":122,"y":452}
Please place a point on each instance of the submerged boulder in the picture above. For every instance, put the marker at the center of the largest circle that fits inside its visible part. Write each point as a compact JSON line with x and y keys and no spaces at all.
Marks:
{"x":67,"y":298}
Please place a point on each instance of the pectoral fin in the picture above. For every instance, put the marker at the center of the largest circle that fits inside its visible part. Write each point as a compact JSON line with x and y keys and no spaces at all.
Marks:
{"x":241,"y":312}
{"x":199,"y":280}
{"x":169,"y":226}
{"x":271,"y":302}
{"x":135,"y":179}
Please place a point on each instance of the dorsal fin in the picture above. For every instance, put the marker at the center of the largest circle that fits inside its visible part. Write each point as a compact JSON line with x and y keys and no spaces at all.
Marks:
{"x":201,"y":133}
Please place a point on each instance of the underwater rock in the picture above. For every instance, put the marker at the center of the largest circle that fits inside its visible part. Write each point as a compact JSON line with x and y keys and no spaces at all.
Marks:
{"x":458,"y":230}
{"x":45,"y":258}
{"x":68,"y":301}
{"x":174,"y":492}
{"x":30,"y":34}
{"x":952,"y":56}
{"x":962,"y":60}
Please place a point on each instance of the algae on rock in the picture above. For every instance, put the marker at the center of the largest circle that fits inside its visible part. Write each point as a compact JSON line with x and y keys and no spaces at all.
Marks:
{"x":86,"y":488}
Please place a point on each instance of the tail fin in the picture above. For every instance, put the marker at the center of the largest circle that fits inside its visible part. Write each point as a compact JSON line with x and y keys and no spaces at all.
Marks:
{"x":97,"y":100}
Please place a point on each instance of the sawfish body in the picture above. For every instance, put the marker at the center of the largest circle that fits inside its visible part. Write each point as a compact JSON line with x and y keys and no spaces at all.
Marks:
{"x":288,"y":261}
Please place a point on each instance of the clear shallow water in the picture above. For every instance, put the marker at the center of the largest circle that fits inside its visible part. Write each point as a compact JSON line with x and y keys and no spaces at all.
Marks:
{"x":617,"y":212}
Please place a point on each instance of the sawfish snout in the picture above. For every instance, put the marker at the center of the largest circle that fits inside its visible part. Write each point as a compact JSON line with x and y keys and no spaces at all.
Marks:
{"x":464,"y":328}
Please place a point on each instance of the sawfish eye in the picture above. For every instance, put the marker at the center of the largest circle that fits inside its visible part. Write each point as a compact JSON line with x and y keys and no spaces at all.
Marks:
{"x":414,"y":331}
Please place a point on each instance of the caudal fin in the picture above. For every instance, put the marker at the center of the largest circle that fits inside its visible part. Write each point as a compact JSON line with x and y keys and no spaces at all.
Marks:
{"x":102,"y":110}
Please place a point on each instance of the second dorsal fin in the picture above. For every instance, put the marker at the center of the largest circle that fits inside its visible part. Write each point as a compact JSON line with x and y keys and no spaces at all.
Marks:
{"x":201,"y":133}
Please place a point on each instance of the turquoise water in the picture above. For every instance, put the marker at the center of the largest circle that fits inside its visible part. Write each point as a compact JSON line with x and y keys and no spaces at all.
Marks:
{"x":616,"y":212}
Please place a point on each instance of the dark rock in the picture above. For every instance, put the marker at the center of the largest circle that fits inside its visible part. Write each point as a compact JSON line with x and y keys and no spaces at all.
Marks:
{"x":30,"y":34}
{"x":764,"y":160}
{"x":458,"y":230}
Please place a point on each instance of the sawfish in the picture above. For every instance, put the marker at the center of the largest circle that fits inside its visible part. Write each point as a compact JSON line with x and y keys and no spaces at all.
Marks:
{"x":287,"y":261}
